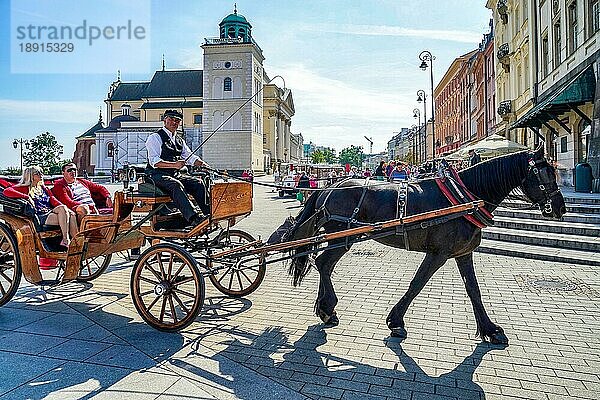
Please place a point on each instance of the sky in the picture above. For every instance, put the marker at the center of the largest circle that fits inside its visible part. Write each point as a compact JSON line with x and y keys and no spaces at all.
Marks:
{"x":352,"y":66}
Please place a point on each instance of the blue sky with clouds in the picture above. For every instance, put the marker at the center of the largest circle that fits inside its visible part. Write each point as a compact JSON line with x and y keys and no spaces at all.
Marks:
{"x":352,"y":66}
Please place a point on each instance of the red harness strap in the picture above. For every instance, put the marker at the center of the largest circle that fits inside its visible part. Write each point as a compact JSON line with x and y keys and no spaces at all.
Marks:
{"x":470,"y":195}
{"x":454,"y":201}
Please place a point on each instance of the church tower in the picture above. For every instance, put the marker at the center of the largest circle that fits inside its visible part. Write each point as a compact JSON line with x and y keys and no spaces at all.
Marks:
{"x":233,"y":73}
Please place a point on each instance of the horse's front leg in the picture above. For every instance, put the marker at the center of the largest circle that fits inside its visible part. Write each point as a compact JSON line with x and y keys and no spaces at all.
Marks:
{"x":326,"y":299}
{"x":486,"y":329}
{"x":395,"y":320}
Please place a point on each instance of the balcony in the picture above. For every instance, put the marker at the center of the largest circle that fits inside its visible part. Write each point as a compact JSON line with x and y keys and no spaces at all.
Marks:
{"x":503,"y":55}
{"x":502,"y":8}
{"x":505,"y":109}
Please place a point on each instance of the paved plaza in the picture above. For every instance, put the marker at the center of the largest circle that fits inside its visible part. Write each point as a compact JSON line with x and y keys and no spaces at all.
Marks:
{"x":87,"y":341}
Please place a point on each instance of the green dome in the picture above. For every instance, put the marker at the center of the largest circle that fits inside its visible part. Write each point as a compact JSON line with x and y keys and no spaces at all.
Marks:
{"x":234,"y":18}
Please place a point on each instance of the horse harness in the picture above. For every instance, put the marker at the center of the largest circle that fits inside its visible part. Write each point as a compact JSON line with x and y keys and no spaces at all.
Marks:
{"x":456,"y":192}
{"x":351,"y":221}
{"x":543,"y":184}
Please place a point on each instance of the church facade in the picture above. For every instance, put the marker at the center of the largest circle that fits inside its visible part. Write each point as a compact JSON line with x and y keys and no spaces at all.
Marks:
{"x":233,"y":113}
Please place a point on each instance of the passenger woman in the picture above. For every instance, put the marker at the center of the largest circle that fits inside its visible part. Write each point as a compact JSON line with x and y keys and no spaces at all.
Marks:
{"x":48,"y":209}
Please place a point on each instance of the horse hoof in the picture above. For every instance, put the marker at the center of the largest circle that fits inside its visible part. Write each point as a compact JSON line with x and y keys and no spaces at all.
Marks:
{"x":332,"y":321}
{"x":498,"y":338}
{"x":399,"y":332}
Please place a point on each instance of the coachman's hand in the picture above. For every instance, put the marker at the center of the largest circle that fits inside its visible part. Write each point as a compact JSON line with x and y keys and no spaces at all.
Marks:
{"x":179,"y":164}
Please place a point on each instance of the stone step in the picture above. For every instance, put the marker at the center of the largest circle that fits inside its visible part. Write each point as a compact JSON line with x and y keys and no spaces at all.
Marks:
{"x":591,"y":199}
{"x":566,"y":256}
{"x":583,"y":208}
{"x":537,"y":215}
{"x":554,"y":226}
{"x":548,"y":239}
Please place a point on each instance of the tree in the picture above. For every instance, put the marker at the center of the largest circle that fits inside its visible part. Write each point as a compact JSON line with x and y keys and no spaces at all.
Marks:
{"x":352,"y":155}
{"x":317,"y":157}
{"x":329,"y":156}
{"x":44,"y":151}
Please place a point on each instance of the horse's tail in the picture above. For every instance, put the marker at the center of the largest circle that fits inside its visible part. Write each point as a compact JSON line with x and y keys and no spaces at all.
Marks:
{"x":303,"y":226}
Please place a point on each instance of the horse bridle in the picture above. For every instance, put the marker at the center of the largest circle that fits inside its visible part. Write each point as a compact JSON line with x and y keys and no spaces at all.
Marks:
{"x":543,"y":184}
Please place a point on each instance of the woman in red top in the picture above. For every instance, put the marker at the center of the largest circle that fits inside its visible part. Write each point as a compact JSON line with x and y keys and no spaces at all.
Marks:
{"x":49,"y":210}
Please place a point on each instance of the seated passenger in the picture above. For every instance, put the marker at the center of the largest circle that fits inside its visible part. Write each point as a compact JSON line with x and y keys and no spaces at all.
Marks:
{"x":167,"y":152}
{"x":48,"y":209}
{"x":80,"y":195}
{"x":400,"y":173}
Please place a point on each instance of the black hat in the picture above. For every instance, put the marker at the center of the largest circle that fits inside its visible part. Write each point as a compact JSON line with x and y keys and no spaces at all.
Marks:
{"x":174,"y":114}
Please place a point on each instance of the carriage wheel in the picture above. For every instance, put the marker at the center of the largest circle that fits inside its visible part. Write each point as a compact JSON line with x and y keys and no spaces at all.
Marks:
{"x":167,"y":287}
{"x":236,"y":279}
{"x":10,"y":265}
{"x":93,"y":267}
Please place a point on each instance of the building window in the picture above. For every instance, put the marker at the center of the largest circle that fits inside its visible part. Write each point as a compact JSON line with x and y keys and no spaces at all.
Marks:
{"x":572,"y":28}
{"x":557,"y":43}
{"x":563,"y":144}
{"x":545,"y":55}
{"x":594,"y":20}
{"x":197,"y":118}
{"x":110,"y":150}
{"x":227,"y":84}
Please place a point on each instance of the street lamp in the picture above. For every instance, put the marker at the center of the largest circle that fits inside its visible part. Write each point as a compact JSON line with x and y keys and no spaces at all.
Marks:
{"x":422,"y":97}
{"x":21,"y":142}
{"x":414,"y":143}
{"x":426,"y":57}
{"x":417,"y":114}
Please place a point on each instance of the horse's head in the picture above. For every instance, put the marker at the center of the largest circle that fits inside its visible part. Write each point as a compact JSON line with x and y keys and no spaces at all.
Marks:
{"x":540,"y":186}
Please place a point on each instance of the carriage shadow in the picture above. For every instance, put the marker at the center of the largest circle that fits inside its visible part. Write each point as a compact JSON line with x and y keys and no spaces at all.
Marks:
{"x":292,"y":364}
{"x":92,"y":343}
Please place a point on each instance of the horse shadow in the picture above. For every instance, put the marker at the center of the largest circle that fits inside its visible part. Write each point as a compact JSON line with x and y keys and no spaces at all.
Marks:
{"x":300,"y":366}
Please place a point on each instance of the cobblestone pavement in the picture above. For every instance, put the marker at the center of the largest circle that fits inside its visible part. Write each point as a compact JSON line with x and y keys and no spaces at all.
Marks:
{"x":86,"y":341}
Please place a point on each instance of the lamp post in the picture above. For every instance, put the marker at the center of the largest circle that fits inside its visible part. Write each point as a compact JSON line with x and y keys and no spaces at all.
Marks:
{"x":417,"y":114}
{"x":426,"y":57}
{"x":422,"y":97}
{"x":413,"y":135}
{"x":21,"y":142}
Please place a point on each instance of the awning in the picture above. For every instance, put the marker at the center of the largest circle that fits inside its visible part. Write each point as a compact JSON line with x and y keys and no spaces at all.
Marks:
{"x":577,"y":91}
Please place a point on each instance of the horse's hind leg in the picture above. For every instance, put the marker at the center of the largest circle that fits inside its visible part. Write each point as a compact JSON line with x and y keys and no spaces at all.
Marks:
{"x":486,"y":329}
{"x":395,"y":319}
{"x":326,"y":299}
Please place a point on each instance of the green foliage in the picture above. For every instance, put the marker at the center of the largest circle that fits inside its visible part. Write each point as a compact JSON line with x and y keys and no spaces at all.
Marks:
{"x":44,"y":151}
{"x":13,"y":171}
{"x":323,"y":156}
{"x":352,"y":155}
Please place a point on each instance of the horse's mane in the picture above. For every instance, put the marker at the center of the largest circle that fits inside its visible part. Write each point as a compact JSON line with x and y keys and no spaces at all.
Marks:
{"x":495,"y":178}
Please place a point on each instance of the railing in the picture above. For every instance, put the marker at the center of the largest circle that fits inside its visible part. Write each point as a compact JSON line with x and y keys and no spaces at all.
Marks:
{"x":503,"y":53}
{"x":502,"y":8}
{"x":505,"y":107}
{"x":223,"y":40}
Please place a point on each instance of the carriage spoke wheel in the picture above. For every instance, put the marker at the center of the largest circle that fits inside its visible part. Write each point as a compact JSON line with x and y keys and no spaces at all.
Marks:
{"x":236,"y":278}
{"x":167,"y":287}
{"x":10,"y":265}
{"x":93,"y":267}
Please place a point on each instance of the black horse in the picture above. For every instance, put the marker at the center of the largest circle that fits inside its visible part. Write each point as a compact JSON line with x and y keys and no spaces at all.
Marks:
{"x":490,"y":181}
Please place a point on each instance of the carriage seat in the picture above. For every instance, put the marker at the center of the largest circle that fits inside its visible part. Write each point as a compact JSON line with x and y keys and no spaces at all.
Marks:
{"x":22,"y":208}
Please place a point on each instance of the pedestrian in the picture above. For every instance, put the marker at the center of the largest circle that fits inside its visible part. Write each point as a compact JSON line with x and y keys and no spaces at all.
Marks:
{"x":474,"y":158}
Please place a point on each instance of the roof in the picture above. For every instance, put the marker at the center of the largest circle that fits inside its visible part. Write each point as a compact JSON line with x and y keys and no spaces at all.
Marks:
{"x":91,"y":133}
{"x":127,"y":91}
{"x":172,"y":104}
{"x":175,"y":84}
{"x":234,"y":18}
{"x":115,"y":123}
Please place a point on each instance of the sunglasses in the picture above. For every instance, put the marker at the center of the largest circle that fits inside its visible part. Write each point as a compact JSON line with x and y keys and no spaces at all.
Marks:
{"x":72,"y":170}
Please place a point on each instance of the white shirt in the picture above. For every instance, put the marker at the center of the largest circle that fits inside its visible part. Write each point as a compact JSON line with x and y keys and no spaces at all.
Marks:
{"x":154,"y":148}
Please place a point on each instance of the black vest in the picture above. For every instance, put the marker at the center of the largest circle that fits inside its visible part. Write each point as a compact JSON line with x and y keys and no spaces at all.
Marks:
{"x":169,"y":151}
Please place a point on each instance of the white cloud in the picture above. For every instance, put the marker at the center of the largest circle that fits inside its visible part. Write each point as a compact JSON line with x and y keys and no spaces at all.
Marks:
{"x":336,"y":113}
{"x":385,"y":30}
